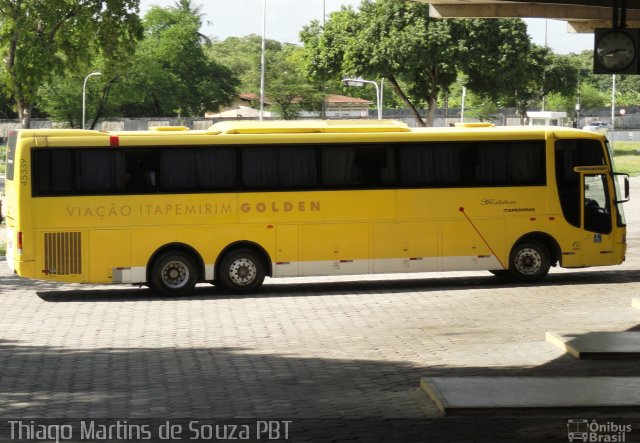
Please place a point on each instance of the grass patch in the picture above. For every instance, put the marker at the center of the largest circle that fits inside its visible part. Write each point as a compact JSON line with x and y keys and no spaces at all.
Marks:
{"x":627,"y":157}
{"x":629,"y":148}
{"x":3,"y":159}
{"x":628,"y":163}
{"x":3,"y":249}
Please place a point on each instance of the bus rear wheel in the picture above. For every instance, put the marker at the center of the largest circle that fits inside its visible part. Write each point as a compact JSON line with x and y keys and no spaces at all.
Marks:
{"x":173,"y":274}
{"x":241,"y":271}
{"x":529,"y":261}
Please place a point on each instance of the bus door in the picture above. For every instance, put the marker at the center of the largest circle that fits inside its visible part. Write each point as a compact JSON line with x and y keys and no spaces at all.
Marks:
{"x":596,"y":215}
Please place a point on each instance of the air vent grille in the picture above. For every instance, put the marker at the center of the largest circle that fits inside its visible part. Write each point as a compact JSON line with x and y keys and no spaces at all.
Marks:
{"x":63,"y":253}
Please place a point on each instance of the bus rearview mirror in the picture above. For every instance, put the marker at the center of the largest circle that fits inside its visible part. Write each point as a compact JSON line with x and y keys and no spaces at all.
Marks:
{"x":625,"y":186}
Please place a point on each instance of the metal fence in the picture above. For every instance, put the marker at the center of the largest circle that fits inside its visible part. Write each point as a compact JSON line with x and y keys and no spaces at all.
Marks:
{"x":629,"y":122}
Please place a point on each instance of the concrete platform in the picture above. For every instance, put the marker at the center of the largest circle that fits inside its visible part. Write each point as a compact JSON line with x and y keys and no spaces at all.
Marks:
{"x":635,"y":303}
{"x":473,"y":395}
{"x":589,"y":345}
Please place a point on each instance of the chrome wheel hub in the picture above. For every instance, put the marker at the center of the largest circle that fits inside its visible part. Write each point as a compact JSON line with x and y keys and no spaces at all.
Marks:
{"x":528,"y":261}
{"x":175,"y":274}
{"x":243,"y":272}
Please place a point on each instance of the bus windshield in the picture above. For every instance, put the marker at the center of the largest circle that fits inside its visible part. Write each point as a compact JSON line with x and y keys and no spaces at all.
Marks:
{"x":619,"y":196}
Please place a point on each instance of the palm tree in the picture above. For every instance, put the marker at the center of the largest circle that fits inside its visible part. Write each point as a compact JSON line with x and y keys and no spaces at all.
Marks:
{"x":187,"y":7}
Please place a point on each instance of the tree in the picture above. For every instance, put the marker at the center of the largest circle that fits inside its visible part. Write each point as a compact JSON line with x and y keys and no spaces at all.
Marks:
{"x":590,"y":93}
{"x":286,"y":85}
{"x":242,"y":56}
{"x":547,"y":73}
{"x":171,"y":75}
{"x":389,"y":39}
{"x":168,"y":74}
{"x":7,"y":108}
{"x":595,"y":89}
{"x":42,"y":39}
{"x":188,"y":8}
{"x":628,"y":90}
{"x":503,"y":65}
{"x":60,"y":96}
{"x":172,"y":67}
{"x":590,"y":98}
{"x":476,"y":106}
{"x":492,"y":58}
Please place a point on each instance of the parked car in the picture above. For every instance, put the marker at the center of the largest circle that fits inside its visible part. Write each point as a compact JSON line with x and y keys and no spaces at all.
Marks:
{"x":601,"y":127}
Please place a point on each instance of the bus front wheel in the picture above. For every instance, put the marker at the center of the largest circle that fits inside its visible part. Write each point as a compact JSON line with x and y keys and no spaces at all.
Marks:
{"x":529,"y":261}
{"x":241,"y":271}
{"x":173,"y":273}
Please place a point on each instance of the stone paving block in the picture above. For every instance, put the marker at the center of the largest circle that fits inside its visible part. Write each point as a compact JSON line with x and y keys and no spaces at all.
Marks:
{"x":468,"y":395}
{"x":302,"y":347}
{"x":636,"y":303}
{"x":585,"y":345}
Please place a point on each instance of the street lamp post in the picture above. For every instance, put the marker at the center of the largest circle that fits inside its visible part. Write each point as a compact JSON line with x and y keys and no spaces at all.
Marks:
{"x":613,"y":110}
{"x":84,"y":96}
{"x":464,"y":94}
{"x":359,"y":82}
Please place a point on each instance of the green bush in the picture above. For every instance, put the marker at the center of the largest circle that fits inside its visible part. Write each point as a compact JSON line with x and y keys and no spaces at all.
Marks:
{"x":3,"y":159}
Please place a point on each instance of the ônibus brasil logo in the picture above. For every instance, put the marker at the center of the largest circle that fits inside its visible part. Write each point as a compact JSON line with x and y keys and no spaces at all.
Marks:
{"x":592,"y":431}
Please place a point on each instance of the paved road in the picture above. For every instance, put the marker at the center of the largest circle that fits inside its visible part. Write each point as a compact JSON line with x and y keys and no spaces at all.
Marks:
{"x":303,"y":348}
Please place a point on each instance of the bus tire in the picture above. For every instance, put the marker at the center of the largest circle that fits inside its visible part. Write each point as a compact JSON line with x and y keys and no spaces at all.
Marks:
{"x":529,"y":261}
{"x":241,"y":271}
{"x":174,"y":274}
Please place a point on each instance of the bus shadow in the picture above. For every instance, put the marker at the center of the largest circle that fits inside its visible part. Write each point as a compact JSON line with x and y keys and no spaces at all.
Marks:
{"x":359,"y":287}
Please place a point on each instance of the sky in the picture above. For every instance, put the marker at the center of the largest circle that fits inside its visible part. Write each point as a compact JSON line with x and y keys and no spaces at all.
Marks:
{"x":285,"y":19}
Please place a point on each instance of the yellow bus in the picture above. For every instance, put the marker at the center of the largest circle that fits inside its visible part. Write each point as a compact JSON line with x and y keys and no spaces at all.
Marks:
{"x":172,"y":207}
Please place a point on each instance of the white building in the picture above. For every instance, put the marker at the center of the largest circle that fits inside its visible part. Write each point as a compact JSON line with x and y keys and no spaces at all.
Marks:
{"x":336,"y":106}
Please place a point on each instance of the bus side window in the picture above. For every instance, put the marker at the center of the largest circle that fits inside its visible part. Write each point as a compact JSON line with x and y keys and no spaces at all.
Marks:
{"x":178,"y":170}
{"x":430,"y":164}
{"x":53,"y":172}
{"x":119,"y":166}
{"x":140,"y":173}
{"x":357,"y":166}
{"x":526,"y":163}
{"x":448,"y":164}
{"x":337,"y":165}
{"x":99,"y":171}
{"x":492,"y":164}
{"x":197,"y":169}
{"x":217,"y":168}
{"x":297,"y":167}
{"x":415,"y":165}
{"x":372,"y":167}
{"x":279,"y":167}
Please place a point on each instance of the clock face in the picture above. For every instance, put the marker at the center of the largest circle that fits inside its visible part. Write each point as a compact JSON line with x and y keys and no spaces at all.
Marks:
{"x":616,"y":50}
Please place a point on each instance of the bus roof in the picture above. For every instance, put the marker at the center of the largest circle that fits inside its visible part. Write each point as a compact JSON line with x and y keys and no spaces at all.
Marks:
{"x":308,"y":126}
{"x":275,"y":127}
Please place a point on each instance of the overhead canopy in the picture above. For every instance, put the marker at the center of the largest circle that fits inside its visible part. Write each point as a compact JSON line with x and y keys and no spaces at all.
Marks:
{"x":581,"y":15}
